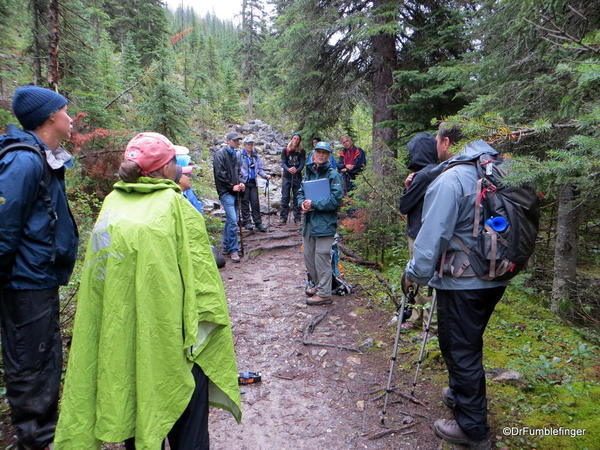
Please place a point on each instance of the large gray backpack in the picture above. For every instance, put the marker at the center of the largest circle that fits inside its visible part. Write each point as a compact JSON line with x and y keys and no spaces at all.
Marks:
{"x":507,"y":230}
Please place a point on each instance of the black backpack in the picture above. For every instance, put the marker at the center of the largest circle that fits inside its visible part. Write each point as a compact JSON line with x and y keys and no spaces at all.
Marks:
{"x":44,"y":188}
{"x":500,"y":254}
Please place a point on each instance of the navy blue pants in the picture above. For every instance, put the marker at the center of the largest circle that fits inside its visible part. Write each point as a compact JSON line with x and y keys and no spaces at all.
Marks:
{"x":462,"y":318}
{"x":32,"y":354}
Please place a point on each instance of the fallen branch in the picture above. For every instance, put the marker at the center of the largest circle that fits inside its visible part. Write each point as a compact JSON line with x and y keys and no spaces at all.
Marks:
{"x":310,"y":328}
{"x":401,"y":394}
{"x":384,"y":433}
{"x":390,"y":291}
{"x":351,"y":256}
{"x":346,"y":251}
{"x":283,"y":377}
{"x":137,"y":83}
{"x":408,"y":413}
{"x":269,"y":237}
{"x":325,"y":344}
{"x":362,"y":262}
{"x":274,"y":246}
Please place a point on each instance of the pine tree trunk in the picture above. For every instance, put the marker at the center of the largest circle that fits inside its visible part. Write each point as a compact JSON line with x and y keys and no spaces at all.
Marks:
{"x":384,"y":64}
{"x":250,"y":102}
{"x":37,"y":11}
{"x":565,"y":253}
{"x":53,"y":40}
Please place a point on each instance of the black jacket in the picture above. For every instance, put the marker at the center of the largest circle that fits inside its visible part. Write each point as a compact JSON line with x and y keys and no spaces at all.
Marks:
{"x":422,"y":152}
{"x":293,"y":159}
{"x":227,"y":171}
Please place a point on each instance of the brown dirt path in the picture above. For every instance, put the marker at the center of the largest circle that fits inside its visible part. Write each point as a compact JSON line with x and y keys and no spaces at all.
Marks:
{"x":311,"y":397}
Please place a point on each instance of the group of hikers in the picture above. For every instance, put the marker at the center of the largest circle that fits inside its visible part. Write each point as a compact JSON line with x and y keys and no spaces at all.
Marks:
{"x":152,"y":343}
{"x":236,"y":172}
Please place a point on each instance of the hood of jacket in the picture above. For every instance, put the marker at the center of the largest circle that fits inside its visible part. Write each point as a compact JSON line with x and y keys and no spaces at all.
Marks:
{"x":147,"y":185}
{"x":15,"y":134}
{"x":473,"y":150}
{"x":422,"y":151}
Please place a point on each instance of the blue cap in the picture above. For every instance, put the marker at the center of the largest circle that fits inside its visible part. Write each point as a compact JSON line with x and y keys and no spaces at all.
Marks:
{"x":323,"y":146}
{"x":33,"y":105}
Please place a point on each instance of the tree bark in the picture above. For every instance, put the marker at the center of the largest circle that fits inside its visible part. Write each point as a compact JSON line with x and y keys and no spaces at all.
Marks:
{"x":250,"y":102}
{"x":383,"y":66}
{"x":53,"y":40}
{"x":565,"y":253}
{"x":37,"y":12}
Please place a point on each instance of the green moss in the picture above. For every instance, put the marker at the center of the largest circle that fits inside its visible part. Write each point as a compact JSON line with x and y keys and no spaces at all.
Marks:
{"x":561,"y":386}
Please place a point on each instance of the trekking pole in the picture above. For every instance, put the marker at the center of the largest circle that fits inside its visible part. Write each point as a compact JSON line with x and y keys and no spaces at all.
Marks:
{"x":424,"y":343}
{"x":268,"y":194}
{"x":400,"y":316}
{"x":239,"y":202}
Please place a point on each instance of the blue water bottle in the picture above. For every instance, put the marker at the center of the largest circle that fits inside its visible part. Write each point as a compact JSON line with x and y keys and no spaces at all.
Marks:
{"x":498,"y":224}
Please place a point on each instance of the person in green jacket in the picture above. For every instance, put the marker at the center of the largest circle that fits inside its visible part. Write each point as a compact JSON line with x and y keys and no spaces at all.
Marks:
{"x":152,"y":343}
{"x":320,"y":224}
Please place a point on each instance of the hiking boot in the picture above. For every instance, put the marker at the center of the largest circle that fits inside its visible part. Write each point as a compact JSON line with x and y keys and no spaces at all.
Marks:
{"x":298,"y":221}
{"x":450,"y":431}
{"x":282,"y":221}
{"x":235,"y":257}
{"x":316,"y":301}
{"x":249,"y":227}
{"x":448,"y":397}
{"x":261,"y":228}
{"x":310,"y":291}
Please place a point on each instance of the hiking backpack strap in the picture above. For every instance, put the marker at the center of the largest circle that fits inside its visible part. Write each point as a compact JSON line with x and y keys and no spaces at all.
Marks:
{"x":44,"y":189}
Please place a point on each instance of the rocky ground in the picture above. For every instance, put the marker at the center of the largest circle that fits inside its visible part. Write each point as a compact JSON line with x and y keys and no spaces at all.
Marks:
{"x":316,"y":395}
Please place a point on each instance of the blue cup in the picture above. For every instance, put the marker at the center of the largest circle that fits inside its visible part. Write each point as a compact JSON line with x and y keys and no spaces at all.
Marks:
{"x":498,"y":224}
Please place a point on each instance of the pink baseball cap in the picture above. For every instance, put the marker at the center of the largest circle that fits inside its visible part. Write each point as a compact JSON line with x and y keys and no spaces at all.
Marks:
{"x":150,"y":151}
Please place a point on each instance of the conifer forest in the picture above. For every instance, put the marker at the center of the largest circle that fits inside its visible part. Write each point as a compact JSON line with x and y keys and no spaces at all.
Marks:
{"x":523,"y":75}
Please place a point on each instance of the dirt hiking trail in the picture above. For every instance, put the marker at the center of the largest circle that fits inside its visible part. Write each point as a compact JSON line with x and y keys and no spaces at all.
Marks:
{"x":313,"y":396}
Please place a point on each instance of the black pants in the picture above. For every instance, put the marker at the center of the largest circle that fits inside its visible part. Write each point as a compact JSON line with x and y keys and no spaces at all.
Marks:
{"x":250,"y":202}
{"x":32,"y":353}
{"x":462,"y":318}
{"x":289,"y":189}
{"x":190,"y":432}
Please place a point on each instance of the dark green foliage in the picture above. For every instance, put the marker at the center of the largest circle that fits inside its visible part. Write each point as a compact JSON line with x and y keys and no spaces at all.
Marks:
{"x":145,"y":21}
{"x":231,"y":110}
{"x":166,"y":109}
{"x":130,"y":62}
{"x":435,"y":39}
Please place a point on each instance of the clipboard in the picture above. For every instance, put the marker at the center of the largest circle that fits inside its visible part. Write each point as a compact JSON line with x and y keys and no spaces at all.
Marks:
{"x":316,"y":189}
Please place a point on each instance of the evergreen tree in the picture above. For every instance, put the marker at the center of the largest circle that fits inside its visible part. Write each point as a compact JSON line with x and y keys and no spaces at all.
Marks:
{"x":436,"y":41}
{"x":167,"y":109}
{"x":130,"y":62}
{"x":231,"y":109}
{"x":251,"y":46}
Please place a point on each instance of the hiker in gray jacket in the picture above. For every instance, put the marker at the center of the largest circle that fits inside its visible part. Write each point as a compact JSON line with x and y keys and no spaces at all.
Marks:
{"x":465,"y":302}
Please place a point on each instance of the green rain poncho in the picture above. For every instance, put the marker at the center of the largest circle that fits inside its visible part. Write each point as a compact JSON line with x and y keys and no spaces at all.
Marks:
{"x":151,"y":303}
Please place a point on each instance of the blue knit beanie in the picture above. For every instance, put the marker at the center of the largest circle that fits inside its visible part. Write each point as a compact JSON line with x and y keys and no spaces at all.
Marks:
{"x":33,"y":105}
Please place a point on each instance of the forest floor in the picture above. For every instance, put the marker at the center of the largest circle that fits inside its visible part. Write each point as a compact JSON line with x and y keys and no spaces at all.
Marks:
{"x":314,"y":396}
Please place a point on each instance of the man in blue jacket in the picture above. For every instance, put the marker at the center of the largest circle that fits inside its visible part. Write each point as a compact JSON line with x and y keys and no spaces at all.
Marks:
{"x":320,"y":224}
{"x":465,"y":302}
{"x":38,"y":248}
{"x":252,"y":167}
